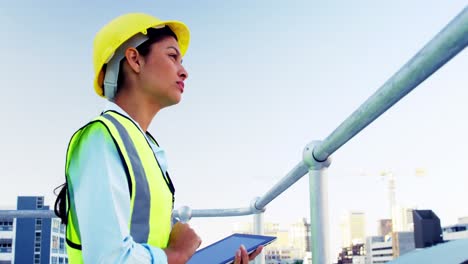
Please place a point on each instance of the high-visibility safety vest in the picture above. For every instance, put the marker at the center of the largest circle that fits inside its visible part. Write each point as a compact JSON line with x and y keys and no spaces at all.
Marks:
{"x":151,"y":192}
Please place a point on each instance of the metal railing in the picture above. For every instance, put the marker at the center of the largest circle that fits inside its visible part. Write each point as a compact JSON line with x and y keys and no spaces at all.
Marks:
{"x":442,"y":48}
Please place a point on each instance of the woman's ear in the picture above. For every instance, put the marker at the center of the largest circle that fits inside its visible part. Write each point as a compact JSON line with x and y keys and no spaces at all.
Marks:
{"x":133,"y":59}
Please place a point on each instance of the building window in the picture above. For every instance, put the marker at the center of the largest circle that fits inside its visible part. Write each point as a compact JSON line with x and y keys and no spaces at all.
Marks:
{"x":40,"y":202}
{"x":37,"y":238}
{"x":55,"y":225}
{"x":6,"y":224}
{"x":55,"y":243}
{"x":5,"y":245}
{"x":62,"y":245}
{"x":38,"y":222}
{"x":53,"y":260}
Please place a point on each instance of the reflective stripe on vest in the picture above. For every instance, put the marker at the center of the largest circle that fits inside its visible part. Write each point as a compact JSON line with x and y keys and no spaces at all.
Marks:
{"x":139,"y":227}
{"x":151,"y":194}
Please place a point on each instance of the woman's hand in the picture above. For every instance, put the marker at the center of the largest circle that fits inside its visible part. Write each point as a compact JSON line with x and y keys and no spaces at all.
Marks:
{"x":183,"y":242}
{"x":242,"y":256}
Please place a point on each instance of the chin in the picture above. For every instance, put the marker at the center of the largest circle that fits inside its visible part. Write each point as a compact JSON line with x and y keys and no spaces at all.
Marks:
{"x":174,"y":101}
{"x":177,"y":100}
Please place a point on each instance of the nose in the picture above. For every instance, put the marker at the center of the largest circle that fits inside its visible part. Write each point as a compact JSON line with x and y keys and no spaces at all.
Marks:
{"x":183,"y":73}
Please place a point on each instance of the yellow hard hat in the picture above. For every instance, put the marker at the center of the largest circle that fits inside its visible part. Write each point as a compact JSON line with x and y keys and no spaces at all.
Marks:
{"x":120,"y":30}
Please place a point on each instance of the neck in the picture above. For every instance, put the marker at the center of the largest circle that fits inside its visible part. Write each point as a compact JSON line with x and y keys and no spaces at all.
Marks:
{"x":140,"y":109}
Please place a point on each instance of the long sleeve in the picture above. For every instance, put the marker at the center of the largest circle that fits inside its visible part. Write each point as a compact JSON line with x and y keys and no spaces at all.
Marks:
{"x":102,"y":201}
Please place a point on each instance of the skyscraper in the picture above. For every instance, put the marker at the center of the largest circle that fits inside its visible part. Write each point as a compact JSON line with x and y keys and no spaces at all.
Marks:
{"x":299,"y":234}
{"x":402,"y":219}
{"x":353,"y":228}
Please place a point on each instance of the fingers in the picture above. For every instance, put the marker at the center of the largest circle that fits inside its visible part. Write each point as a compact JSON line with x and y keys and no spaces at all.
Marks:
{"x":186,"y":232}
{"x":255,"y":254}
{"x":241,"y":257}
{"x":183,"y":242}
{"x":244,"y":254}
{"x":237,"y":257}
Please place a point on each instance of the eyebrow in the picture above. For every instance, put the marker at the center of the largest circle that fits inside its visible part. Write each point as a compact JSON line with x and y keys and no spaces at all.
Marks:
{"x":172,"y":47}
{"x":177,"y":51}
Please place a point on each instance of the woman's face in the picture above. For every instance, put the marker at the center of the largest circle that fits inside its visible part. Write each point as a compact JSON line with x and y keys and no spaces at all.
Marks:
{"x":162,"y":74}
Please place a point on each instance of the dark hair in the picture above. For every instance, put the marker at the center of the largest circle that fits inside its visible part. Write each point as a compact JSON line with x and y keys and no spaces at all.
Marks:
{"x":60,"y":206}
{"x":155,"y":35}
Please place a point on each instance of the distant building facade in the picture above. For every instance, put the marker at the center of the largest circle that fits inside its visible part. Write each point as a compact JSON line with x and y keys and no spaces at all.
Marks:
{"x":299,"y":233}
{"x":353,"y":229}
{"x":354,"y":254}
{"x":378,"y":249}
{"x":38,"y":240}
{"x":384,"y":227}
{"x":291,"y":244}
{"x":402,"y":243}
{"x":6,"y":240}
{"x":403,"y":219}
{"x":457,"y":231}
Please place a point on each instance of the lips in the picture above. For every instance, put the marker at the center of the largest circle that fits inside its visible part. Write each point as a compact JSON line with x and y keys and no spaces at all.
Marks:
{"x":181,"y":86}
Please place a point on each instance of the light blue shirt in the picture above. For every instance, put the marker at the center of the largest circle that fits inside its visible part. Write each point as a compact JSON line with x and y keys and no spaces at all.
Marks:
{"x":102,"y":201}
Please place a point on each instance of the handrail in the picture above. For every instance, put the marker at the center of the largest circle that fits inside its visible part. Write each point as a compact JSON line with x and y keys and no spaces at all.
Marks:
{"x":443,"y":47}
{"x":258,"y":205}
{"x":27,"y":214}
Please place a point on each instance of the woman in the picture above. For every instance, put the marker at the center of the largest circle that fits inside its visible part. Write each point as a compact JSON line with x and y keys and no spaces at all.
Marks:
{"x":120,"y":196}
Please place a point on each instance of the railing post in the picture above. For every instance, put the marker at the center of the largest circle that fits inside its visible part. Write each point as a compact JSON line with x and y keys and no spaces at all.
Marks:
{"x":258,"y":229}
{"x":318,"y":189}
{"x":258,"y":226}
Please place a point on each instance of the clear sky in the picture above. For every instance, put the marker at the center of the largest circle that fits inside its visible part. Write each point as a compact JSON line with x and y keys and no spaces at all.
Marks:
{"x":266,"y":77}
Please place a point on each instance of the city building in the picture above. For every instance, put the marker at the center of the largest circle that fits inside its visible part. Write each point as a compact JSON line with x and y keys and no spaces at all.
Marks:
{"x":427,"y":229}
{"x":353,"y":228}
{"x":38,"y":240}
{"x":352,"y":254}
{"x":402,"y":243}
{"x":384,"y":227}
{"x":291,"y":243}
{"x":281,"y":255}
{"x":378,"y":249}
{"x":457,"y":231}
{"x":402,"y":219}
{"x":299,"y":236}
{"x":307,"y":258}
{"x":6,"y":240}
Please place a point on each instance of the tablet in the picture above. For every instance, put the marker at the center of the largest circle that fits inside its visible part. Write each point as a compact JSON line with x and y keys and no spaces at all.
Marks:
{"x":225,"y":249}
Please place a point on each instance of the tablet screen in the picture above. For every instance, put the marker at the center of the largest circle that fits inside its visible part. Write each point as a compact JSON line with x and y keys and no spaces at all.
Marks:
{"x":224,"y":250}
